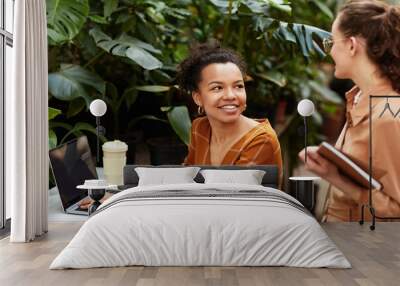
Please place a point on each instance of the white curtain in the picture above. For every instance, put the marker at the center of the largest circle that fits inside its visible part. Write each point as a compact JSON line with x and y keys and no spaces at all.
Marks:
{"x":27,"y":123}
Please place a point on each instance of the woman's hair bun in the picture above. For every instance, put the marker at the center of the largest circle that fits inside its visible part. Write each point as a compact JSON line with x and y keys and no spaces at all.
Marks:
{"x":200,"y":56}
{"x":379,"y":24}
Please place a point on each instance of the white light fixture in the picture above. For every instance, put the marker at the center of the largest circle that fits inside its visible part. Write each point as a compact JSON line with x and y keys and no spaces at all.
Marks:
{"x":98,"y":108}
{"x":305,"y":108}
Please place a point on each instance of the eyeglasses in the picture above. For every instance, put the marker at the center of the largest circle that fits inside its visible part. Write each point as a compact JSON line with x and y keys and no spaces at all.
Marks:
{"x":328,"y":44}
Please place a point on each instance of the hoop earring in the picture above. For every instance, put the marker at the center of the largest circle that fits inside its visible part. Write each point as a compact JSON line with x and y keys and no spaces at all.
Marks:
{"x":200,"y":110}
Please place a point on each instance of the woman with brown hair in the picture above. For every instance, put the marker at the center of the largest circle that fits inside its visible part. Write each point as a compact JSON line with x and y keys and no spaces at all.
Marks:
{"x":365,"y":47}
{"x":214,"y":76}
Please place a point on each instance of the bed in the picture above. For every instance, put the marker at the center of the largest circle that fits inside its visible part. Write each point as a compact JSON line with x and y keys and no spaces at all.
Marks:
{"x":201,"y":224}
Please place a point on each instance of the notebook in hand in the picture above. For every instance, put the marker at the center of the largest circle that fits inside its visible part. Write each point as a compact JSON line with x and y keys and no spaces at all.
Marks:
{"x":347,"y":167}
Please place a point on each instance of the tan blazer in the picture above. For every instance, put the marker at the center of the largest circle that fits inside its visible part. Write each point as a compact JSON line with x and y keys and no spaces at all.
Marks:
{"x":353,"y":141}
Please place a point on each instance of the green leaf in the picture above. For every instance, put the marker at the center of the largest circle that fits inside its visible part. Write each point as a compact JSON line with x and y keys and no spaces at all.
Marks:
{"x":223,"y":5}
{"x":64,"y":88}
{"x":153,"y":88}
{"x":321,"y":34}
{"x":53,"y":112}
{"x":69,"y":83}
{"x":65,"y":18}
{"x":284,"y":31}
{"x":124,"y":38}
{"x":304,"y":35}
{"x":84,"y":77}
{"x":130,"y":95}
{"x":325,"y":92}
{"x":62,"y":125}
{"x":109,"y":7}
{"x":275,"y":77}
{"x":52,"y":139}
{"x":281,"y":5}
{"x":264,"y":7}
{"x":166,"y":108}
{"x":112,"y":92}
{"x":126,"y":46}
{"x":256,"y":7}
{"x":124,"y":17}
{"x":317,"y":118}
{"x":98,"y":19}
{"x":78,"y":128}
{"x":143,"y":58}
{"x":262,"y":23}
{"x":180,"y":121}
{"x":178,"y":13}
{"x":74,"y":107}
{"x":324,"y":8}
{"x":301,"y":39}
{"x":305,"y":90}
{"x":299,"y":34}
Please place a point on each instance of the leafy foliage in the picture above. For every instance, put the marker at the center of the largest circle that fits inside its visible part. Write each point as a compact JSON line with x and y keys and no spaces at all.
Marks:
{"x":126,"y":46}
{"x":72,"y":81}
{"x":126,"y":52}
{"x":65,"y":19}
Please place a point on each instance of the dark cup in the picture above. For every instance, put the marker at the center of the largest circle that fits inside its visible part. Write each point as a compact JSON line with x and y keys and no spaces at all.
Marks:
{"x":96,"y":195}
{"x":303,"y":189}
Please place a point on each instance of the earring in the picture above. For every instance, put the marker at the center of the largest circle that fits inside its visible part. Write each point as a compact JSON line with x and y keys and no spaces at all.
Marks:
{"x":200,"y":110}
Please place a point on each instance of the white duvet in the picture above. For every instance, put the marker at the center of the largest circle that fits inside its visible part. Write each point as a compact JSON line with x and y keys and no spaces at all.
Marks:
{"x":183,"y":231}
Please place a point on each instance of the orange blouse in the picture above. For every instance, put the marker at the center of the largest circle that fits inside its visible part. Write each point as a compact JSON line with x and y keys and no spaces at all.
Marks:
{"x":354,"y":141}
{"x":259,"y":146}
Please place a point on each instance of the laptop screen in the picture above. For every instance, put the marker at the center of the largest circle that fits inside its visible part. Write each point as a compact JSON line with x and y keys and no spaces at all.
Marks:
{"x":72,"y":164}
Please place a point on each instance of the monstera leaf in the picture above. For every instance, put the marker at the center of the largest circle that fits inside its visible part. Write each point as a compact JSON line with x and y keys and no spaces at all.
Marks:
{"x":126,"y":46}
{"x":72,"y":81}
{"x":300,"y":34}
{"x":255,"y":6}
{"x":178,"y":117}
{"x":65,"y":18}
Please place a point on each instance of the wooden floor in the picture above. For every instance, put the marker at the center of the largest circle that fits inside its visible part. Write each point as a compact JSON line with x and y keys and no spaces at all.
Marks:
{"x":375,"y":257}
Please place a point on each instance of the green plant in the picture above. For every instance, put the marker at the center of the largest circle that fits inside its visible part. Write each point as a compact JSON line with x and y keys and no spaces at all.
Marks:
{"x":282,"y":49}
{"x":126,"y":52}
{"x":85,"y":51}
{"x":69,"y":129}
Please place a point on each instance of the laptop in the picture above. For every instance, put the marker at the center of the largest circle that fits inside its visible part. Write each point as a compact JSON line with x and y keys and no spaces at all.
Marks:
{"x":72,"y":164}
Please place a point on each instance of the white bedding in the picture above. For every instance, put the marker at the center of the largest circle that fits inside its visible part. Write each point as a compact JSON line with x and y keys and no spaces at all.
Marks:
{"x":183,"y":231}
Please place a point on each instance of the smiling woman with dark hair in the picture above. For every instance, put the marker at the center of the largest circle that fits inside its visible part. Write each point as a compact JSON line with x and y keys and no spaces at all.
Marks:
{"x":214,"y":76}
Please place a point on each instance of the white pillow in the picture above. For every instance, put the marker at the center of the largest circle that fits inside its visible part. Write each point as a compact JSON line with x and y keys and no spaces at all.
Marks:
{"x":249,"y":177}
{"x":163,"y":176}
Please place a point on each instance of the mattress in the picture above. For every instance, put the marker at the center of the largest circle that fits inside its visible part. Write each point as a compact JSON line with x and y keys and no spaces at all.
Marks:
{"x":201,"y":225}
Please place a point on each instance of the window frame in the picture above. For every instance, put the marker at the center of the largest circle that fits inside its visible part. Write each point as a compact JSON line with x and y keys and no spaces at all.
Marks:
{"x":6,"y":39}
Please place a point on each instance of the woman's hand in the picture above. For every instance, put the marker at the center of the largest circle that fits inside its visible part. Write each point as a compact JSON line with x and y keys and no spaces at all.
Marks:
{"x":319,"y":165}
{"x":87,"y":202}
{"x":328,"y":171}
